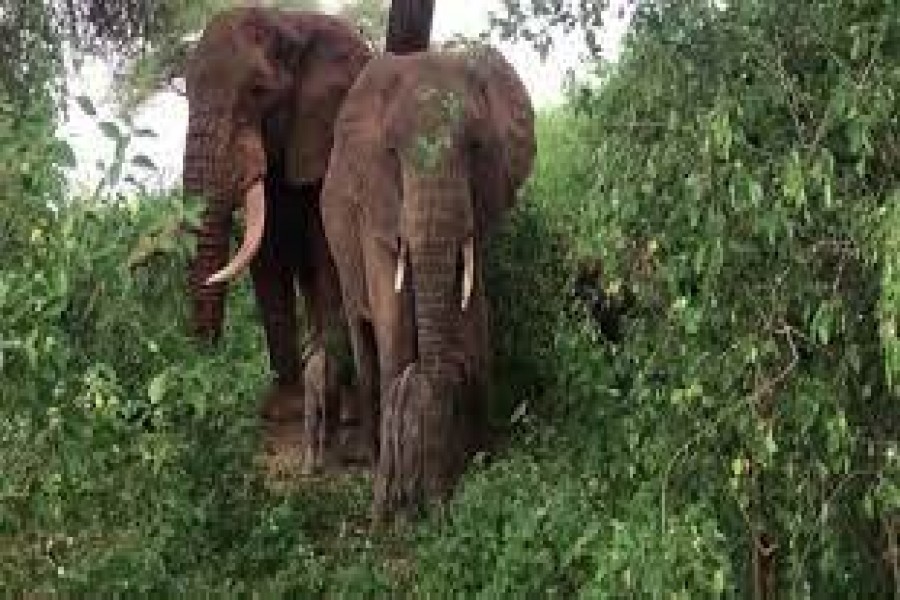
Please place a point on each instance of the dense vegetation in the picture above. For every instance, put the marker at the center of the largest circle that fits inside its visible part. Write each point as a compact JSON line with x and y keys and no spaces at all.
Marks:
{"x":708,"y":410}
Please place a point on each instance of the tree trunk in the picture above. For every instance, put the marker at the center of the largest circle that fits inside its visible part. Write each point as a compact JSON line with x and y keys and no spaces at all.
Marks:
{"x":409,"y":26}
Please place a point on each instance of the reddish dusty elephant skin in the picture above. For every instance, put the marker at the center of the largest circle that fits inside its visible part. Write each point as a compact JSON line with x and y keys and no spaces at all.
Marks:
{"x":264,"y":88}
{"x":430,"y":151}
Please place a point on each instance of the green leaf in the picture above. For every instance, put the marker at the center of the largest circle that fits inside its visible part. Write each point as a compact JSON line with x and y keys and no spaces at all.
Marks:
{"x":86,"y":105}
{"x":157,"y":388}
{"x":65,"y":155}
{"x":144,"y":161}
{"x":756,"y":193}
{"x":111,"y":130}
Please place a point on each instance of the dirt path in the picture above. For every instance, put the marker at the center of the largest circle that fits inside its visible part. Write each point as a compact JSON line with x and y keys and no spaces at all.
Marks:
{"x":281,"y":455}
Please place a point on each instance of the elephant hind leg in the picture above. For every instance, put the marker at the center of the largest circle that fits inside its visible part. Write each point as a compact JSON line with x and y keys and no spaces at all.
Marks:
{"x":275,"y":293}
{"x":341,"y":410}
{"x":275,"y":269}
{"x":322,"y":405}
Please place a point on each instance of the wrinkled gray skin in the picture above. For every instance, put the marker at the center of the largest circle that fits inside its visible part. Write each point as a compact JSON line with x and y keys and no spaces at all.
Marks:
{"x":430,"y":150}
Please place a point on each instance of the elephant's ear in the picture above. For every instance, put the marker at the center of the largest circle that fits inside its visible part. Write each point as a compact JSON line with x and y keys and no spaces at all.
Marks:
{"x":368,"y":153}
{"x":504,"y":150}
{"x":332,"y":58}
{"x":361,"y":185}
{"x":283,"y":45}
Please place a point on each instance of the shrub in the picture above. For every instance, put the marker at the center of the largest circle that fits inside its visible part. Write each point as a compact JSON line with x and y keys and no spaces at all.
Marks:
{"x":740,"y":439}
{"x":745,"y":181}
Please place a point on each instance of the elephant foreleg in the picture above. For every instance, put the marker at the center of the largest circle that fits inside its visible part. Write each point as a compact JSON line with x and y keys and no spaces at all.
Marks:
{"x":365,"y":357}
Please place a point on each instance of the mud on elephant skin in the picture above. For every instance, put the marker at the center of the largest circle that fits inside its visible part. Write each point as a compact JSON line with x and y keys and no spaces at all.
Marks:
{"x":430,"y":151}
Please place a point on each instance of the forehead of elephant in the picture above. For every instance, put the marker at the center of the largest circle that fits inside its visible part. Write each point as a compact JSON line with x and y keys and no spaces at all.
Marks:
{"x":231,"y":52}
{"x":430,"y":116}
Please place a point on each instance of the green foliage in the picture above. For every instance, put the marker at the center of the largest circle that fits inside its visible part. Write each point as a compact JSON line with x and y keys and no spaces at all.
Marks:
{"x":370,"y":17}
{"x":28,"y":29}
{"x":30,"y":176}
{"x":540,"y":22}
{"x":528,"y":271}
{"x":128,"y":451}
{"x":745,"y":181}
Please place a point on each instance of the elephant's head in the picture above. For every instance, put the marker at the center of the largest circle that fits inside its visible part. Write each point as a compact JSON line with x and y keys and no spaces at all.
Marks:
{"x":458,"y":132}
{"x":438,"y":145}
{"x":264,"y":88}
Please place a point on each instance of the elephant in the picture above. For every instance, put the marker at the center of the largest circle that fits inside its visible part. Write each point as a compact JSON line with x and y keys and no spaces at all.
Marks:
{"x":430,"y":151}
{"x":264,"y":87}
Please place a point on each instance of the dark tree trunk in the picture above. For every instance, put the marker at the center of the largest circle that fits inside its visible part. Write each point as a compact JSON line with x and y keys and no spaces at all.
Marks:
{"x":205,"y":177}
{"x":409,"y":26}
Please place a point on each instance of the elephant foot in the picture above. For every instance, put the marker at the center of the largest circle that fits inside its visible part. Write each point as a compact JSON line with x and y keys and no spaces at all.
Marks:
{"x":344,"y":450}
{"x":354,"y":447}
{"x":355,"y":440}
{"x":283,"y":402}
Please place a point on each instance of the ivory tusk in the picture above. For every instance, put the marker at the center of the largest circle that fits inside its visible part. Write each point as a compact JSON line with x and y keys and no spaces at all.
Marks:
{"x":400,"y":273}
{"x":254,"y":223}
{"x":468,"y":282}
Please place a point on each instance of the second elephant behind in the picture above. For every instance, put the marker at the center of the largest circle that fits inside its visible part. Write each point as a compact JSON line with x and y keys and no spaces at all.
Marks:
{"x":430,"y":151}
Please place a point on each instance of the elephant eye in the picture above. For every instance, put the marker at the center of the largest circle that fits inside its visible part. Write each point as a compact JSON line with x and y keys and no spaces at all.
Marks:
{"x":283,"y":50}
{"x":258,"y":88}
{"x":255,"y":32}
{"x":330,"y":53}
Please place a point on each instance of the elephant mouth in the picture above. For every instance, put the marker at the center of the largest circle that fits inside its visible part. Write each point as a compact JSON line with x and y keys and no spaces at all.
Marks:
{"x":254,"y":226}
{"x":467,"y":252}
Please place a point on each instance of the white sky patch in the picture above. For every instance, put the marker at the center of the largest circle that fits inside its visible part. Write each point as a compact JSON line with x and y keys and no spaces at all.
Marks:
{"x":166,"y":112}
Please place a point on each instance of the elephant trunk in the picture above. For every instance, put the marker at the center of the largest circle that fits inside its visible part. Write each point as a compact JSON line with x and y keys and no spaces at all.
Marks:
{"x":437,"y":273}
{"x":205,"y":176}
{"x":442,"y":362}
{"x":426,"y":429}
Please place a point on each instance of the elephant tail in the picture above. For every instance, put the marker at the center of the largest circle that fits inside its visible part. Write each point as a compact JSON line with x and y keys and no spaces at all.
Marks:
{"x":409,"y":26}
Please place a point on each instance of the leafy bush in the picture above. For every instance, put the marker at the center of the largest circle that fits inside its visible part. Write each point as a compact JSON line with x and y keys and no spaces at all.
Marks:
{"x":128,"y":452}
{"x":528,"y":273}
{"x":745,"y":183}
{"x":742,"y":437}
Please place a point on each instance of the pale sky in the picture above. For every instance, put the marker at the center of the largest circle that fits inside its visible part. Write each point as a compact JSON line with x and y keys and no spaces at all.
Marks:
{"x":166,"y":113}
